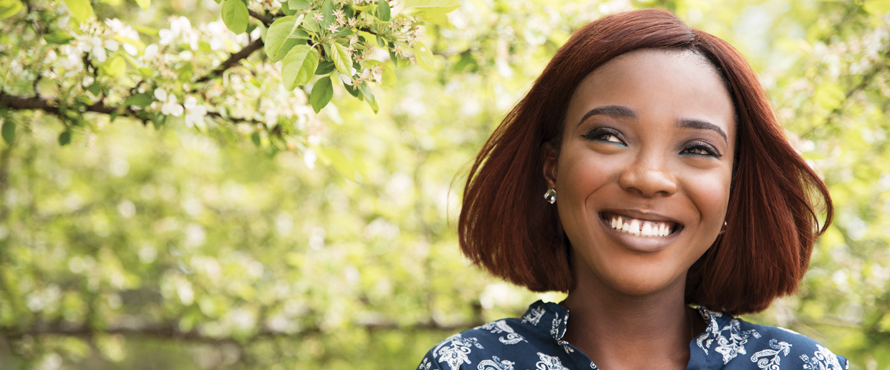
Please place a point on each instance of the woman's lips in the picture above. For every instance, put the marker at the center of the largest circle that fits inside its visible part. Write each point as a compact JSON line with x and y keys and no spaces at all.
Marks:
{"x":660,"y":233}
{"x":639,"y":227}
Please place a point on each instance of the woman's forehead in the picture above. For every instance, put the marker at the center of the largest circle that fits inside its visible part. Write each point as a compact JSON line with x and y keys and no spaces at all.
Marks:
{"x":674,"y":83}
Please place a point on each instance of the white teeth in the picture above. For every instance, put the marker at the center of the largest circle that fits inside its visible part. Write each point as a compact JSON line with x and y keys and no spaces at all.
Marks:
{"x":635,"y":227}
{"x":647,"y":229}
{"x":640,"y":227}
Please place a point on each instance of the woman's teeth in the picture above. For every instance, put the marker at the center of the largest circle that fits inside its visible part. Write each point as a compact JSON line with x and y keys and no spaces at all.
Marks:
{"x":639,"y":227}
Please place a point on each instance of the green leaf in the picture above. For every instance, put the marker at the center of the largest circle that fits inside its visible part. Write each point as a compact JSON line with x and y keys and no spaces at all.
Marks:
{"x":877,"y":7}
{"x":343,"y":32}
{"x":81,"y":10}
{"x":321,"y":93}
{"x":284,"y":30}
{"x":299,"y":66}
{"x":144,"y":4}
{"x":8,"y":131}
{"x":342,"y":60}
{"x":310,"y":24}
{"x":115,"y":67}
{"x":466,"y":60}
{"x":57,"y":37}
{"x":94,"y":88}
{"x":369,"y":96}
{"x":127,"y":40}
{"x":424,"y":57}
{"x":383,"y":11}
{"x":353,"y":91}
{"x":139,"y":100}
{"x":255,"y":137}
{"x":65,"y":138}
{"x":336,"y":158}
{"x":441,"y":6}
{"x":9,"y":10}
{"x":363,"y":8}
{"x":287,"y":10}
{"x":146,"y":30}
{"x":327,"y":11}
{"x":185,"y":73}
{"x":393,"y":58}
{"x":235,"y":15}
{"x":324,"y":67}
{"x":434,"y":17}
{"x":298,"y":4}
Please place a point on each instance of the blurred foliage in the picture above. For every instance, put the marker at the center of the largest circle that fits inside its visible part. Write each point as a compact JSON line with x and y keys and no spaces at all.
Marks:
{"x":176,"y":246}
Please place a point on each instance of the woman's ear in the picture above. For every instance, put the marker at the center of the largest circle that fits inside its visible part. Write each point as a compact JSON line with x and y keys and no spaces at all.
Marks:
{"x":550,"y":159}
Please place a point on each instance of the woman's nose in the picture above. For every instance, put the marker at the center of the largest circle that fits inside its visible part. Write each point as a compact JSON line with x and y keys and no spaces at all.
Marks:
{"x":648,"y":178}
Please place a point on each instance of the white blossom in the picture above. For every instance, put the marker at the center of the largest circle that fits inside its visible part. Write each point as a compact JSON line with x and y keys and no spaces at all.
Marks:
{"x":346,"y":79}
{"x":217,"y":30}
{"x":179,"y":26}
{"x":119,"y":28}
{"x":309,"y":157}
{"x":97,"y":50}
{"x":71,"y":58}
{"x":194,"y":112}
{"x":169,"y":106}
{"x":150,"y":52}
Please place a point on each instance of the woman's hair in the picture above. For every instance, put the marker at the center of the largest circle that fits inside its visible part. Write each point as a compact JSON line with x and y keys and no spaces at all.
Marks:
{"x":506,"y":225}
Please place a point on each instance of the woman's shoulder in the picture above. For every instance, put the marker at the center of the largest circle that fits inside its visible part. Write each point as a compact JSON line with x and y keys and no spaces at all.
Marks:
{"x":503,"y":344}
{"x":733,"y":340}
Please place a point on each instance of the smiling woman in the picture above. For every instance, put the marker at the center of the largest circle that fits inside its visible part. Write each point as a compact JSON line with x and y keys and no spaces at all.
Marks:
{"x":667,"y":182}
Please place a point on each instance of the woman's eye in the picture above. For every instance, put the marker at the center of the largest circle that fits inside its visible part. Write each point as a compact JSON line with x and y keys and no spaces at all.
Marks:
{"x":604,"y":134}
{"x":701,"y":149}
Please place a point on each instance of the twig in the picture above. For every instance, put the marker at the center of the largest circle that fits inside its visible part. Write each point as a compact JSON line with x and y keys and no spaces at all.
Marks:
{"x":867,"y":78}
{"x":267,"y":20}
{"x":241,"y":55}
{"x":30,"y":8}
{"x":233,"y":60}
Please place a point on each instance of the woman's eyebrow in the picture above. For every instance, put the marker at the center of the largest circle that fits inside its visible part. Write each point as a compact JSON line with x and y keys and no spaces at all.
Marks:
{"x":701,"y":125}
{"x":614,"y":111}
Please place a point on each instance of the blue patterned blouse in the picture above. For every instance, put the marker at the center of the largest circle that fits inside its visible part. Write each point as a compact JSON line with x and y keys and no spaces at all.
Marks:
{"x":535,"y":342}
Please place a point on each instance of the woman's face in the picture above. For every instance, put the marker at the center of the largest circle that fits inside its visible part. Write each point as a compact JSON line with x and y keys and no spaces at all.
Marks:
{"x":643,"y":173}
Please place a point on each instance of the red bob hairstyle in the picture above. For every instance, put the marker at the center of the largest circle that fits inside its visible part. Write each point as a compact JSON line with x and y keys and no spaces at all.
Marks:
{"x":506,"y":226}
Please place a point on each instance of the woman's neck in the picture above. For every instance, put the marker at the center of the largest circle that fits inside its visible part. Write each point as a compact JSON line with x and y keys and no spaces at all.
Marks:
{"x":630,"y":332}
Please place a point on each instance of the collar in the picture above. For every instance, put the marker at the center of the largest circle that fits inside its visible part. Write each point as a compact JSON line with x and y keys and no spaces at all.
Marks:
{"x":549,"y":317}
{"x":552,"y":318}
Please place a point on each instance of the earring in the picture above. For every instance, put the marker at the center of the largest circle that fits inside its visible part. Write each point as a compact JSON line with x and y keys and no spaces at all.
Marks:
{"x":723,"y":229}
{"x":550,"y":195}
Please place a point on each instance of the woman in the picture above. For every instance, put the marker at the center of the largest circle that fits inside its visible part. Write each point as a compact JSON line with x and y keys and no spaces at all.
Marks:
{"x":667,"y":181}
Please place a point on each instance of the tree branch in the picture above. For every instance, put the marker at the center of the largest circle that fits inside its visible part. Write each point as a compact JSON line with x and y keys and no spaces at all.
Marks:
{"x":232,"y":61}
{"x":267,"y":20}
{"x":52,"y":107}
{"x":172,"y":331}
{"x":244,"y":53}
{"x":867,"y":79}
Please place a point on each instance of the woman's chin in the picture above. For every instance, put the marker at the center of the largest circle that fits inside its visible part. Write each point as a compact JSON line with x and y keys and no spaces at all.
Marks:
{"x":641,"y":284}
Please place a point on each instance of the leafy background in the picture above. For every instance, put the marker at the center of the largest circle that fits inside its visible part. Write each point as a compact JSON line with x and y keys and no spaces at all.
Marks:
{"x":146,"y":242}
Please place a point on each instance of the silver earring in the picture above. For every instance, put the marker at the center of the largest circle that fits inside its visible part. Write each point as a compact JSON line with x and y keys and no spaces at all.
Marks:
{"x":550,"y":195}
{"x":723,"y":229}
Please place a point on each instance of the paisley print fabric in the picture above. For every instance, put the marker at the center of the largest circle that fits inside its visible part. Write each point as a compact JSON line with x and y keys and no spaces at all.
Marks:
{"x":534,"y":342}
